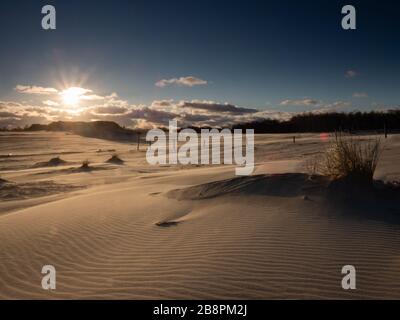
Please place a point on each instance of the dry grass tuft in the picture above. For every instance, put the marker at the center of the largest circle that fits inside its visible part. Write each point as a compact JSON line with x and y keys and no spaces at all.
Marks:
{"x":85,"y":165}
{"x":352,"y":160}
{"x":312,"y":165}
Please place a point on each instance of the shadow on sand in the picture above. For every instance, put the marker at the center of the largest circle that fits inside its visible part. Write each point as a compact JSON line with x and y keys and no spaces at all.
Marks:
{"x":377,"y":201}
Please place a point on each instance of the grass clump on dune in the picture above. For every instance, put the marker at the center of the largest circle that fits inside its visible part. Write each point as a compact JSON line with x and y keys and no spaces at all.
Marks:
{"x":85,"y":165}
{"x":351,"y":160}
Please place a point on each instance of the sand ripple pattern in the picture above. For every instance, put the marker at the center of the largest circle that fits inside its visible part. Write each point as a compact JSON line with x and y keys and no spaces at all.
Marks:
{"x":107,"y":246}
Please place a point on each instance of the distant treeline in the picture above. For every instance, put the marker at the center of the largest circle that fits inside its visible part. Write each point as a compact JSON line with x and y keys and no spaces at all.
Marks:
{"x":329,"y":122}
{"x":307,"y":122}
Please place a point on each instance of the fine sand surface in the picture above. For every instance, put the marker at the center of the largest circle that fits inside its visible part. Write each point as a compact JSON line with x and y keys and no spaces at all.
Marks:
{"x":134,"y":231}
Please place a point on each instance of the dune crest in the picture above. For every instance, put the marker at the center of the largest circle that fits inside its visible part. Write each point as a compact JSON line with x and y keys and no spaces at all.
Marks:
{"x":282,"y":185}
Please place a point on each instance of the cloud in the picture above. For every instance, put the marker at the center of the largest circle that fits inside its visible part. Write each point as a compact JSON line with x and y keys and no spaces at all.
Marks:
{"x":9,"y":104}
{"x":15,"y":114}
{"x":215,"y":107}
{"x":158,"y":113}
{"x":351,"y":74}
{"x":7,"y":115}
{"x":300,"y":103}
{"x":114,"y":100}
{"x":22,"y":121}
{"x":151,"y":115}
{"x":35,"y":90}
{"x":336,"y":106}
{"x":93,"y":106}
{"x":162,"y":103}
{"x":360,"y":95}
{"x":51,"y":103}
{"x":316,"y":106}
{"x":91,"y":97}
{"x":189,"y":81}
{"x":110,"y":110}
{"x":113,"y":95}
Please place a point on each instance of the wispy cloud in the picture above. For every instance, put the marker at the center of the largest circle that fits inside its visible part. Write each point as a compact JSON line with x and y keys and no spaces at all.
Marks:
{"x":337,"y":106}
{"x":157,"y":104}
{"x":35,"y":90}
{"x":215,"y":107}
{"x":351,"y":74}
{"x":360,"y":95}
{"x":189,"y":81}
{"x":110,"y":110}
{"x":51,"y":103}
{"x":318,"y":106}
{"x":307,"y":102}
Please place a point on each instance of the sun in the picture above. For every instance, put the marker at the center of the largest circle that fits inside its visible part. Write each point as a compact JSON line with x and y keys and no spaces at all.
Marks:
{"x":72,"y":96}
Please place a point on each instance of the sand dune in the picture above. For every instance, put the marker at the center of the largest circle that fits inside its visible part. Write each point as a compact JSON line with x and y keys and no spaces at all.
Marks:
{"x":141,"y":232}
{"x":53,"y":162}
{"x":283,"y":185}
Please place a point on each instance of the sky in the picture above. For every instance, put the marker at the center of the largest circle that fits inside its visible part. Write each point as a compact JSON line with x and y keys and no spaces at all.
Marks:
{"x":142,"y":63}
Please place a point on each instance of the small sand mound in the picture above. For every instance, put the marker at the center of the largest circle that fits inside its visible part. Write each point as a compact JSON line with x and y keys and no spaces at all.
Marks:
{"x":283,"y":185}
{"x":115,"y":160}
{"x":53,"y":162}
{"x":84,"y":168}
{"x":56,"y":161}
{"x":20,"y":191}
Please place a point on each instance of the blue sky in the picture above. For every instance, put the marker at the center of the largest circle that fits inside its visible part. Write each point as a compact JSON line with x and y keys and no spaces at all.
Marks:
{"x":289,"y":56}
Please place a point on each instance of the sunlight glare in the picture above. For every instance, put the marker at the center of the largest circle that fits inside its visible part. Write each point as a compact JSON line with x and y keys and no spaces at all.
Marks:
{"x":71,"y":96}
